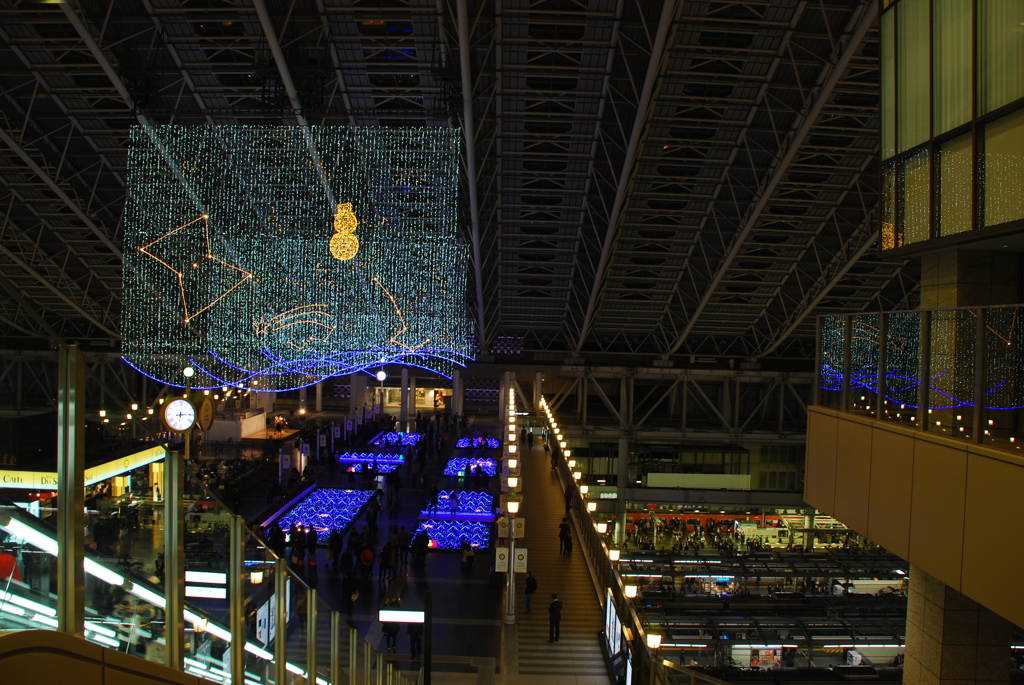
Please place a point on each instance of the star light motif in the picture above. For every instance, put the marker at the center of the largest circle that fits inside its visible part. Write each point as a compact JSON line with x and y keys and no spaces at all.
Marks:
{"x":189,"y":255}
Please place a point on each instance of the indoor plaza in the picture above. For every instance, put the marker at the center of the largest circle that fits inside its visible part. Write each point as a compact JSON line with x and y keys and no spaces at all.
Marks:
{"x":646,"y":342}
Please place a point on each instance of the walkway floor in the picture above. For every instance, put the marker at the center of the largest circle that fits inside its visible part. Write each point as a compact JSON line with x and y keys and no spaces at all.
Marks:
{"x":576,"y":657}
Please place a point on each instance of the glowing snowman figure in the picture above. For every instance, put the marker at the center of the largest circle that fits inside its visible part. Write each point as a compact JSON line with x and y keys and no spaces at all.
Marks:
{"x":344,"y":243}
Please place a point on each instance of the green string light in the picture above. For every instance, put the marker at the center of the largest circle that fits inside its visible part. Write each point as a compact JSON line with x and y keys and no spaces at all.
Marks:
{"x":230,"y":265}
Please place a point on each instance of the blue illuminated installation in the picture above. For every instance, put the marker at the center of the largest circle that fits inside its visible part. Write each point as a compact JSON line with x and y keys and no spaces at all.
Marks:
{"x":950,"y":381}
{"x":472,"y":506}
{"x":353,"y":457}
{"x":357,"y":467}
{"x":273,"y":257}
{"x":461,"y":466}
{"x":478,"y":443}
{"x":449,"y":534}
{"x":396,"y":439}
{"x":326,"y":509}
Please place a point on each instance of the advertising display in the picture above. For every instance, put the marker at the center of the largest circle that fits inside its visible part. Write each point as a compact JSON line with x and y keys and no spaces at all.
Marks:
{"x":612,"y":626}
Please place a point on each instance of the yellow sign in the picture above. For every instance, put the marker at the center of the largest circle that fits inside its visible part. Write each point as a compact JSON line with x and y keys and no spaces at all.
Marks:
{"x":47,"y":480}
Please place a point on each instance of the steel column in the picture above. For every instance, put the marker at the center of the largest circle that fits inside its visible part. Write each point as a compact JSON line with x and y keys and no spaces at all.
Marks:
{"x":236,"y":597}
{"x":469,"y":134}
{"x":281,"y":610}
{"x":311,"y":635}
{"x":71,"y":490}
{"x":174,"y":559}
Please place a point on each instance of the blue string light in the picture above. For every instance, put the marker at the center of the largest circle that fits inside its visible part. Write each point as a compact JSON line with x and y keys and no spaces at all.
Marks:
{"x":478,"y":443}
{"x":449,"y":534}
{"x":473,"y":505}
{"x":396,"y":439}
{"x":267,"y":266}
{"x":461,"y":466}
{"x":326,"y":509}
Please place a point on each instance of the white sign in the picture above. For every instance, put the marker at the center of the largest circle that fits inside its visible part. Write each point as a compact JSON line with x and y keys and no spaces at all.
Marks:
{"x":263,"y":624}
{"x":323,"y":441}
{"x":519,"y":564}
{"x":401,"y":616}
{"x":503,"y":527}
{"x":337,"y":432}
{"x":206,"y":577}
{"x":272,"y":624}
{"x":206,"y":592}
{"x":519,"y":528}
{"x":501,"y":559}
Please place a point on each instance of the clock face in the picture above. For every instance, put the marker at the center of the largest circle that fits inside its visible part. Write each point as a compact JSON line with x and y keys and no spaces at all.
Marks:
{"x":179,"y":415}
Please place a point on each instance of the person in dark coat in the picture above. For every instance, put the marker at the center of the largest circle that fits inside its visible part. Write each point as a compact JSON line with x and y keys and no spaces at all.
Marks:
{"x":563,"y":535}
{"x":391,"y":631}
{"x":531,"y":588}
{"x":554,"y":619}
{"x":415,"y":631}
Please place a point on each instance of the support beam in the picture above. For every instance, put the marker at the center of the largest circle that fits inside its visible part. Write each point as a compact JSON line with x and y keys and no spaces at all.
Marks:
{"x":59,"y":192}
{"x":805,"y":310}
{"x":658,"y":53}
{"x":469,"y":133}
{"x":868,"y":18}
{"x":70,"y":486}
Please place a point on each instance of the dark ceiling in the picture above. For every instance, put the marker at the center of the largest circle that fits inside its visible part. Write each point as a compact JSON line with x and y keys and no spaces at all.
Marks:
{"x":656,"y":179}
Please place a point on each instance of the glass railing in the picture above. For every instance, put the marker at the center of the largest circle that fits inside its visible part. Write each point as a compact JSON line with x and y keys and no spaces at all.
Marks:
{"x":958,"y":373}
{"x":125,"y":602}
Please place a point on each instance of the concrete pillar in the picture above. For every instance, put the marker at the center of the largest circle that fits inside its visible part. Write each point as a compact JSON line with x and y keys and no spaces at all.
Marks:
{"x":620,"y":502}
{"x":457,"y":395}
{"x":538,"y":379}
{"x":951,"y":639}
{"x":412,"y":396}
{"x":808,"y":525}
{"x":320,"y":396}
{"x":357,"y":394}
{"x":403,"y":413}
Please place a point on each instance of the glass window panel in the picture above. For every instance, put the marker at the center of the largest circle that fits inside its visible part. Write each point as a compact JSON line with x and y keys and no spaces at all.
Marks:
{"x":1000,"y":53}
{"x":902,"y":360}
{"x":833,"y":350}
{"x":951,"y":374}
{"x":1004,"y":169}
{"x":951,"y":33}
{"x":888,"y":86}
{"x":912,"y":71}
{"x":1002,"y":404}
{"x":916,"y":197}
{"x":889,"y":238}
{"x":864,"y":347}
{"x":956,"y":181}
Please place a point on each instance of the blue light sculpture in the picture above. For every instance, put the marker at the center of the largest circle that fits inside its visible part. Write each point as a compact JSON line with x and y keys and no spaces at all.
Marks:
{"x":460,"y":466}
{"x":326,"y":509}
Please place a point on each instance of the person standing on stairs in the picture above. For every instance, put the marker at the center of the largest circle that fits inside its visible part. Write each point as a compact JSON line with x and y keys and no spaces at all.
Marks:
{"x":554,"y":619}
{"x":531,"y":588}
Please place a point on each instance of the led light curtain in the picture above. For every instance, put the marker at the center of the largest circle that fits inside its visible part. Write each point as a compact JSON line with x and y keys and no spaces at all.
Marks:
{"x":272,"y":257}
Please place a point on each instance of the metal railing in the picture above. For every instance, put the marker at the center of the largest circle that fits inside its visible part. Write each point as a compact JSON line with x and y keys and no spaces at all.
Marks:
{"x":270,"y":609}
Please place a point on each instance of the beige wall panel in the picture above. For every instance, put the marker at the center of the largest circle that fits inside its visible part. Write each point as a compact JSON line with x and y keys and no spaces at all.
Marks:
{"x":892,"y":481}
{"x":820,"y":475}
{"x":853,"y":474}
{"x":937,"y":510}
{"x":994,"y":491}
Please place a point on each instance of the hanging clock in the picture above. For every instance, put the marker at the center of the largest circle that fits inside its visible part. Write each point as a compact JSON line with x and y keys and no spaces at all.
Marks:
{"x":179,"y":415}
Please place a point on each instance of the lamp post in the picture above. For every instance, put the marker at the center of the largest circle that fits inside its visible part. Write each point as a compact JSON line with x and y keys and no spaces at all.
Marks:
{"x":510,"y":595}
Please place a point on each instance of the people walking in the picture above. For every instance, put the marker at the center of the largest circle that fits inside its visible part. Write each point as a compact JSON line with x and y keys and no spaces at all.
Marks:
{"x":391,"y":630}
{"x":531,"y":588}
{"x":415,"y":631}
{"x":563,"y":535}
{"x":554,"y":619}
